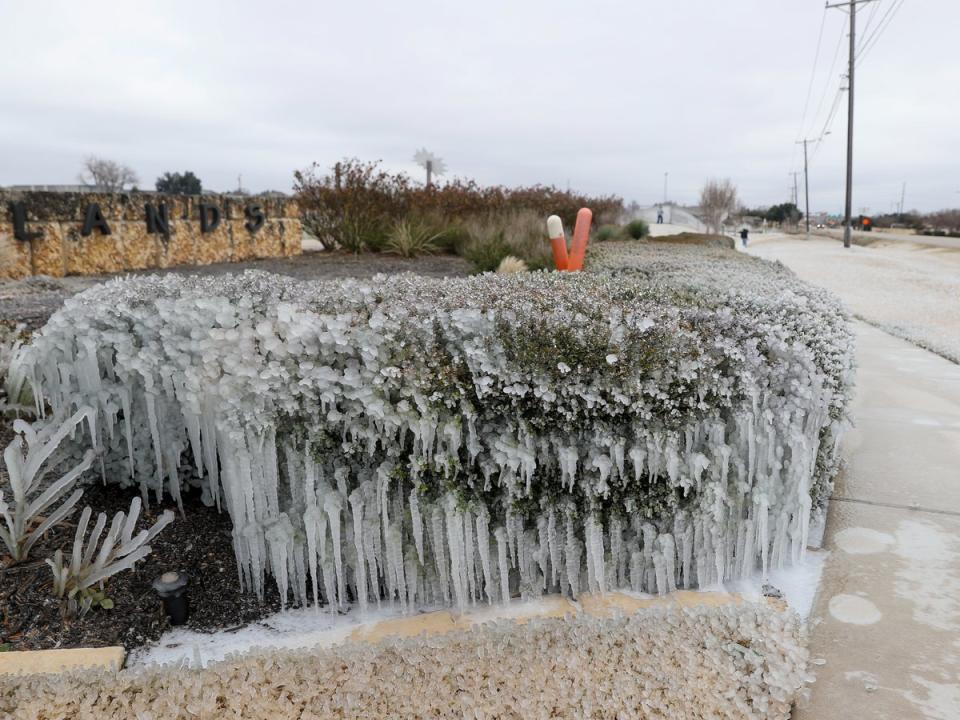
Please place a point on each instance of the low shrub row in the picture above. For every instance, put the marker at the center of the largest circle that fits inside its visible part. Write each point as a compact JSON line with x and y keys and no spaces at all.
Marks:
{"x":667,"y":418}
{"x":360,"y":207}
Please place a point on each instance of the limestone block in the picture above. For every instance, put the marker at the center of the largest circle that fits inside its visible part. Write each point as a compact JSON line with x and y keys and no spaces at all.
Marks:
{"x":14,"y":256}
{"x":91,"y":255}
{"x":138,"y":248}
{"x":48,"y":255}
{"x":27,"y":662}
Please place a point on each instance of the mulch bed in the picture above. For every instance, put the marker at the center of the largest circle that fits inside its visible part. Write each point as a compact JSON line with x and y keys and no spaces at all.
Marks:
{"x":198,"y":544}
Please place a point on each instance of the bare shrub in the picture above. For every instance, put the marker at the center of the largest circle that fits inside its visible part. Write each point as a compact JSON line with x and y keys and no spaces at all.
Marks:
{"x":718,"y":199}
{"x":107,"y":175}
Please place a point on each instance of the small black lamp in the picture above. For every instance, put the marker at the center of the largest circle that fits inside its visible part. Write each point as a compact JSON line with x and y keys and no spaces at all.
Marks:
{"x":172,"y":589}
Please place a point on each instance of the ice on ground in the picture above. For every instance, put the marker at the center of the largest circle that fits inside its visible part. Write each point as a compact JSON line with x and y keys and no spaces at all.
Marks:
{"x":310,"y":627}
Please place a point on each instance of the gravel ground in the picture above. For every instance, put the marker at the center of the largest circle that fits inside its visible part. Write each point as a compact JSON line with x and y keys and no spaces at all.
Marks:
{"x":910,"y":291}
{"x":33,"y":300}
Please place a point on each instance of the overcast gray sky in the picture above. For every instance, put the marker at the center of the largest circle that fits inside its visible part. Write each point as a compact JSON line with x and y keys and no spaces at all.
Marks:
{"x":605,"y":96}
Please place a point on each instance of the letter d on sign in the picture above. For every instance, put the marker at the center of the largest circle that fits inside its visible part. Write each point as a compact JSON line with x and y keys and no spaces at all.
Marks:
{"x":209,"y":217}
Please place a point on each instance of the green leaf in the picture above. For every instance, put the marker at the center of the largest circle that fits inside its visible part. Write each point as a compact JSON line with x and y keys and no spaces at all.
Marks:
{"x":106,"y":604}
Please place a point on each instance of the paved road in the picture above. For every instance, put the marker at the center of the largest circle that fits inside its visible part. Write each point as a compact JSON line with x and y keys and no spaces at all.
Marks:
{"x":878,"y":236}
{"x":889,"y":601}
{"x":912,"y":291}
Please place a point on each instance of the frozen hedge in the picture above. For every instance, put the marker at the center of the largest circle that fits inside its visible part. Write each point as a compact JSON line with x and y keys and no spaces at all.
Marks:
{"x":668,"y":418}
{"x":734,"y":662}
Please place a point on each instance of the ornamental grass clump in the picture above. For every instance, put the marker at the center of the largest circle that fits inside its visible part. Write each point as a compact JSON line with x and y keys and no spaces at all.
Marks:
{"x":667,"y":418}
{"x":78,"y":580}
{"x":35,"y":507}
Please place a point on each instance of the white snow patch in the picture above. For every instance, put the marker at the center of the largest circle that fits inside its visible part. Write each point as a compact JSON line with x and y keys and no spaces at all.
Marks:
{"x":798,"y":583}
{"x":930,"y":574}
{"x":309,"y":627}
{"x":863,"y":541}
{"x":854,"y":609}
{"x":941,"y":702}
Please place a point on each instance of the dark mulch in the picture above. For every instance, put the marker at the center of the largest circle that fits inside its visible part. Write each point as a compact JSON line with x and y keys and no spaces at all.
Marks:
{"x":198,"y":544}
{"x":33,"y":300}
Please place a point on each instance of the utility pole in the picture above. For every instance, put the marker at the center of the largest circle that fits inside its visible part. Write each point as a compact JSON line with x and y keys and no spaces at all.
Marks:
{"x":806,"y":188}
{"x":848,"y":205}
{"x":806,"y":177}
{"x":794,"y":198}
{"x":665,"y":176}
{"x":903,"y":194}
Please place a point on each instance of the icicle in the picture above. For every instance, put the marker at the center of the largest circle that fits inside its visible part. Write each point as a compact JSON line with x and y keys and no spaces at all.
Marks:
{"x":483,"y":548}
{"x":332,"y":504}
{"x":360,"y":575}
{"x":501,"y":536}
{"x":417,"y":523}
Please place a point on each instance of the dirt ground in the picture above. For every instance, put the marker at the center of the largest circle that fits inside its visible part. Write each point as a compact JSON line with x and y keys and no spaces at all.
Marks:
{"x":33,"y":300}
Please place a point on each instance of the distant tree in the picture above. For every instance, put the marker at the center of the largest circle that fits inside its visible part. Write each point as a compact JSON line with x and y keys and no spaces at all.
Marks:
{"x":106,"y":174}
{"x":784,"y":213}
{"x":179,"y":184}
{"x":718,"y":199}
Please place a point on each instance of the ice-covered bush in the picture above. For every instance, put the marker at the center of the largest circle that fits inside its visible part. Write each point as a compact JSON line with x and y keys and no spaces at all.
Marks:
{"x":667,"y":418}
{"x":94,"y":560}
{"x":9,"y":343}
{"x":25,"y":459}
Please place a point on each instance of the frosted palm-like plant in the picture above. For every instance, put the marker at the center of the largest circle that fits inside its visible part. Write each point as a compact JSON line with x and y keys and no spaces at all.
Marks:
{"x":94,"y":560}
{"x":9,"y":344}
{"x":25,"y":458}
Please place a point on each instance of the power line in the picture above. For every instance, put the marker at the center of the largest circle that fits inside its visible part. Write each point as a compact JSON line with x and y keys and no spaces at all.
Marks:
{"x":866,"y":28}
{"x":813,"y":72}
{"x":828,"y":83}
{"x":885,"y":21}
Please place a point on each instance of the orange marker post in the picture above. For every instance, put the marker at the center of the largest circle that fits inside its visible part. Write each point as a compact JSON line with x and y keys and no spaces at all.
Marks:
{"x":558,"y":241}
{"x":581,"y":236}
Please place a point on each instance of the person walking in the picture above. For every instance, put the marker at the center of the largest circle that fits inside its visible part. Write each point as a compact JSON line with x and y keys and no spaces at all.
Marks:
{"x":743,"y":236}
{"x":660,"y":216}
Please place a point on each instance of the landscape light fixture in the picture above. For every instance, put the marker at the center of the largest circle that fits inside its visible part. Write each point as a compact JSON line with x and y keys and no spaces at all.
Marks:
{"x":172,"y":589}
{"x":433,"y":164}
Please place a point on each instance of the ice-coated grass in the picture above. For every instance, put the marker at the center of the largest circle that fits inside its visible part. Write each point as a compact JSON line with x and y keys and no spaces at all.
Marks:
{"x":668,"y":418}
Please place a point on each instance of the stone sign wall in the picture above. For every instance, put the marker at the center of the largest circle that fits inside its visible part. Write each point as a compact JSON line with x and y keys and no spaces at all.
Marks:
{"x":57,"y":234}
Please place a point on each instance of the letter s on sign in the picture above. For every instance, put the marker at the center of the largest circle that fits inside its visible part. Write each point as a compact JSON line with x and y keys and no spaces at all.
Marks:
{"x":255,"y":217}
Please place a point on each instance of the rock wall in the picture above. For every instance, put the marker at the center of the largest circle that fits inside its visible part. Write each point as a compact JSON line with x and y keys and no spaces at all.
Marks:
{"x":57,"y":234}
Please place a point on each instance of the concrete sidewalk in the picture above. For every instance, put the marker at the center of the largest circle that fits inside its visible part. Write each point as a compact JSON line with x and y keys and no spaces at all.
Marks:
{"x":886,"y":640}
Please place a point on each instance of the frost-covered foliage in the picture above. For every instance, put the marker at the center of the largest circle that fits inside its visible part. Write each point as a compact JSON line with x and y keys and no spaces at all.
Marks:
{"x":93,"y":559}
{"x":668,"y":419}
{"x":25,"y":459}
{"x":9,"y":344}
{"x":744,"y":662}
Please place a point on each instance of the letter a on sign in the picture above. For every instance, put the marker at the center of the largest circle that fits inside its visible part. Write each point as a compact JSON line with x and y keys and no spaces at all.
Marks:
{"x":94,"y":219}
